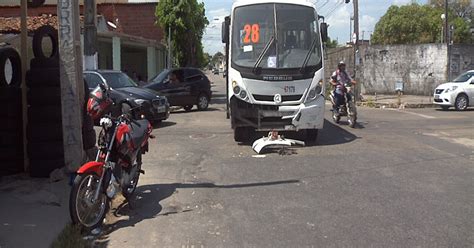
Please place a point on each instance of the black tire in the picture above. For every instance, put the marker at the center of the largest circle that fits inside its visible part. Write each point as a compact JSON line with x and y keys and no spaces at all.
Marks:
{"x":11,"y":152}
{"x":48,"y":114}
{"x":10,"y":94}
{"x":11,"y":166}
{"x":38,"y":37}
{"x":445,"y":108}
{"x":35,"y":3}
{"x":336,"y":117}
{"x":188,"y":108}
{"x":45,"y":150}
{"x":44,"y":63}
{"x":202,"y":102}
{"x":11,"y":125}
{"x":44,"y":167}
{"x":128,"y":192}
{"x":462,"y":102}
{"x":11,"y":109}
{"x":40,"y":132}
{"x":74,"y":197}
{"x":352,"y":121}
{"x":243,"y":134}
{"x":311,"y":136}
{"x":11,"y":138}
{"x":47,"y":96}
{"x":39,"y":78}
{"x":12,"y":55}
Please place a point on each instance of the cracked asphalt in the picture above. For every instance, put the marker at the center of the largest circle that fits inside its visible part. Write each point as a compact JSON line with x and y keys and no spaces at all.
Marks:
{"x":402,"y":178}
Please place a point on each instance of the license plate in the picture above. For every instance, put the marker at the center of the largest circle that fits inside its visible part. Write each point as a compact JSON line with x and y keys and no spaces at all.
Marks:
{"x":436,"y":97}
{"x":161,"y":109}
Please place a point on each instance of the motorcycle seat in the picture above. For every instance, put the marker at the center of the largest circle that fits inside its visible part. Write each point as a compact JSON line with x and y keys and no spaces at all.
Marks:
{"x":138,"y":130}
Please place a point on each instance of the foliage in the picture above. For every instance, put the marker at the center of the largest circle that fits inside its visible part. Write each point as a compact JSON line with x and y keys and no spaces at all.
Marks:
{"x":414,"y":24}
{"x":187,"y":21}
{"x":331,"y":43}
{"x":217,"y":57}
{"x":461,"y":8}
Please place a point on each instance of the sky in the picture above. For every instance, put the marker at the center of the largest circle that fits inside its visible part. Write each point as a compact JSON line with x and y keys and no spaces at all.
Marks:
{"x":337,"y":15}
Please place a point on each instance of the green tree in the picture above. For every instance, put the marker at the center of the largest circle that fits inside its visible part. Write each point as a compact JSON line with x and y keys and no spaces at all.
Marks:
{"x":414,"y":24}
{"x":331,"y":43}
{"x":461,"y":8}
{"x":187,"y":21}
{"x":217,"y":57}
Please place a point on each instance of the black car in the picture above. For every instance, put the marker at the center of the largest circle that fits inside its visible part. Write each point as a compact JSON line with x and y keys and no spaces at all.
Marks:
{"x":125,"y":90}
{"x":191,"y":88}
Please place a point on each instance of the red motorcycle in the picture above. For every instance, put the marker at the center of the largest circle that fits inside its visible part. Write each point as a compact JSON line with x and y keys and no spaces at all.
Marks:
{"x":117,"y":167}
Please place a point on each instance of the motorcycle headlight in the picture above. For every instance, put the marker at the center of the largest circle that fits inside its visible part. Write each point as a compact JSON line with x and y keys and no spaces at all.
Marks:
{"x":139,"y":101}
{"x":452,"y":88}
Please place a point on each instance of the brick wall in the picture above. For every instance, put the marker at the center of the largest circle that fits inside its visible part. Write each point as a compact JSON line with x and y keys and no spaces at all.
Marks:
{"x":134,"y":19}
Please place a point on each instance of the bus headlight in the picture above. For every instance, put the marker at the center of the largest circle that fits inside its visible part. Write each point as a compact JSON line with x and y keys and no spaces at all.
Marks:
{"x":243,"y":94}
{"x":315,"y":91}
{"x":236,"y":90}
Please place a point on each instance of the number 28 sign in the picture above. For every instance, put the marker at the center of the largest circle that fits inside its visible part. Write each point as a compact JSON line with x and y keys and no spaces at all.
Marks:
{"x":251,"y":33}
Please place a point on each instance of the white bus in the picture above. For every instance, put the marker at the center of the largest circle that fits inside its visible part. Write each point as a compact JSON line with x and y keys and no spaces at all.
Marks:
{"x":275,"y":67}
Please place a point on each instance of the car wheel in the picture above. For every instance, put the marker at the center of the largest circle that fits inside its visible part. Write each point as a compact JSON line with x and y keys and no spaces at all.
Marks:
{"x":203,"y":102}
{"x":188,"y":107}
{"x":444,"y":108}
{"x":461,"y":102}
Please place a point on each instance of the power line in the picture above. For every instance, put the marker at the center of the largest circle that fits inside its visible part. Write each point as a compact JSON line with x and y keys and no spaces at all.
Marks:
{"x":334,"y":9}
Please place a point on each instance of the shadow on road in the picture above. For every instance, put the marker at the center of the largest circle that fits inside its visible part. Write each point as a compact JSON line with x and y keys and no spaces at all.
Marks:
{"x":219,"y":99}
{"x":146,"y":204}
{"x":163,"y":124}
{"x":454,"y":110}
{"x":333,"y":134}
{"x":182,"y":111}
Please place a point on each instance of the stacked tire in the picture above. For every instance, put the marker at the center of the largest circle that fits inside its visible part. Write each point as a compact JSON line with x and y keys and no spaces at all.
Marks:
{"x":11,"y":127}
{"x":44,"y":127}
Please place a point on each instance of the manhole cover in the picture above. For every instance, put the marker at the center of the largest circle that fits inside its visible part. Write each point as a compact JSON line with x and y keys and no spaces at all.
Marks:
{"x":202,"y":136}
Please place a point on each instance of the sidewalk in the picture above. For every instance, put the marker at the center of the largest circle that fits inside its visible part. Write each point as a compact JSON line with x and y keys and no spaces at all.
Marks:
{"x":393,"y":101}
{"x":33,"y":211}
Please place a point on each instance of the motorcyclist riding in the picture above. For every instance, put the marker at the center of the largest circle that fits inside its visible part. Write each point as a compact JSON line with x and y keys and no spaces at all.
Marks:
{"x":339,"y":79}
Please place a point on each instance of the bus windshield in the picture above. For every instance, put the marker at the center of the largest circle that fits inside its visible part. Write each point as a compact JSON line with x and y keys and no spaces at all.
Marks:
{"x":295,"y":38}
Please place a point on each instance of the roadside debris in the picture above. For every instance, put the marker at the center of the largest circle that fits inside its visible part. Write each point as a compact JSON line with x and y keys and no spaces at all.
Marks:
{"x":274,"y":140}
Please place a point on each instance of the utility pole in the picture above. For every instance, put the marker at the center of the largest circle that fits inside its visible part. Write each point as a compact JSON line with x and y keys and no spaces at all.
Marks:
{"x":169,"y":48}
{"x":356,"y":43}
{"x":447,"y":39}
{"x":72,"y":84}
{"x":90,"y":34}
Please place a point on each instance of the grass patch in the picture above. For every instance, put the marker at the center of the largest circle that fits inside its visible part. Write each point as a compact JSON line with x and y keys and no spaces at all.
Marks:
{"x":70,"y":237}
{"x":370,"y":102}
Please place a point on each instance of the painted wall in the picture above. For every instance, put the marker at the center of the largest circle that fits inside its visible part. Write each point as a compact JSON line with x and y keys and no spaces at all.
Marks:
{"x":419,"y":67}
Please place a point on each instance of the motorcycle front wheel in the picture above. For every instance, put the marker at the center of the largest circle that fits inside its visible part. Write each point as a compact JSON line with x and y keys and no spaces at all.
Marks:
{"x":352,"y":115}
{"x":84,"y":210}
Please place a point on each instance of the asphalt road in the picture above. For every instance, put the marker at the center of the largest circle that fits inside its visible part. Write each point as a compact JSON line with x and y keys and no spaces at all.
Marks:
{"x":400,"y":179}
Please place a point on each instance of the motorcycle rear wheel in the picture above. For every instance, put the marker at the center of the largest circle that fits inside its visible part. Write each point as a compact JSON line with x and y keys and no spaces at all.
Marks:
{"x":128,"y":191}
{"x":81,"y":204}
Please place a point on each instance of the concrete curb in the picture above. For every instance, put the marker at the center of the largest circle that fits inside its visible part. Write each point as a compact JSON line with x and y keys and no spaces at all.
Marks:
{"x":395,"y":105}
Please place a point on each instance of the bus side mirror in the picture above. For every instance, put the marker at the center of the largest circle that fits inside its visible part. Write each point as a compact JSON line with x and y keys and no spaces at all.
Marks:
{"x":225,"y":30}
{"x":324,"y":31}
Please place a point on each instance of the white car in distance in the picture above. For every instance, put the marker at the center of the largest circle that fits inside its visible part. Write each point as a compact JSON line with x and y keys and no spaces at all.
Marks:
{"x":458,"y":94}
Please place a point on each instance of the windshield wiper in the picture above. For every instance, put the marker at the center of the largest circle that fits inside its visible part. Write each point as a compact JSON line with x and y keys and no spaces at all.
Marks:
{"x":265,"y":50}
{"x":308,"y":55}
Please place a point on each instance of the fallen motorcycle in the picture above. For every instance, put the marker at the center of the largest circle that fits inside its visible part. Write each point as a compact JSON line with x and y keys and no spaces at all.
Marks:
{"x":117,"y":167}
{"x":347,"y":109}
